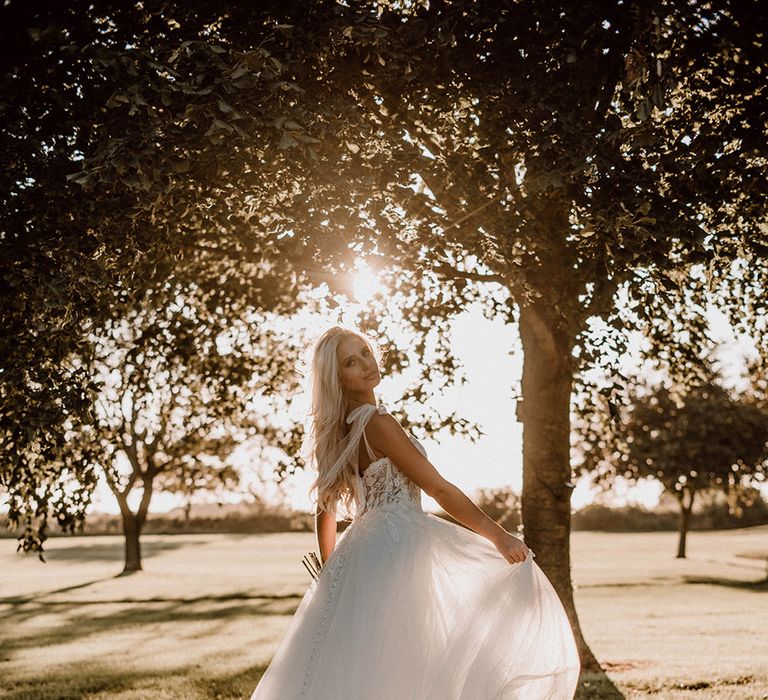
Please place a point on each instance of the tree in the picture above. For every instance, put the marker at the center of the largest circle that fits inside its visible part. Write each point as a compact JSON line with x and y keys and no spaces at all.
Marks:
{"x":599,"y":163}
{"x":179,"y":391}
{"x":74,"y":256}
{"x":594,"y":163}
{"x":701,"y":441}
{"x":147,"y":144}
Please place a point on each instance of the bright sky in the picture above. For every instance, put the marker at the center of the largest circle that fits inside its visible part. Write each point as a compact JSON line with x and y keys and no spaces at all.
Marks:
{"x":491,"y":355}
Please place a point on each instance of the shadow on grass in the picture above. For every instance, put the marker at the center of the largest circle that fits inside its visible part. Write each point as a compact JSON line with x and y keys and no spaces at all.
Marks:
{"x":596,"y":685}
{"x":40,"y":599}
{"x":19,"y":600}
{"x":79,"y":620}
{"x":760,"y":586}
{"x":189,"y":683}
{"x":192,"y":683}
{"x":109,"y":551}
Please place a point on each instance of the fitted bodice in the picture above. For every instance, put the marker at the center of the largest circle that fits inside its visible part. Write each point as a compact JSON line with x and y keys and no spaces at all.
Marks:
{"x":381,"y":486}
{"x":386,"y":487}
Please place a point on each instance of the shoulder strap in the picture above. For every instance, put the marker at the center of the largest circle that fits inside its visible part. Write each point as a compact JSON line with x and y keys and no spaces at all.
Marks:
{"x":348,"y":450}
{"x":363,"y":414}
{"x":360,"y":417}
{"x":365,"y":410}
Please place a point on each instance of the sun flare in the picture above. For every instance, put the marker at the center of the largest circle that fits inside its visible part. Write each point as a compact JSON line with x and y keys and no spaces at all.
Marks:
{"x":365,"y":284}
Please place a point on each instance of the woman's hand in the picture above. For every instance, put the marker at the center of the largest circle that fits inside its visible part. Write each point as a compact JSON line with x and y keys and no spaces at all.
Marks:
{"x":512,"y":548}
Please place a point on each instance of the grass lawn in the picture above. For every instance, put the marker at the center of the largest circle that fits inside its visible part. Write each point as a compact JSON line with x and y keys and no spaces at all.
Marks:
{"x":204,"y":618}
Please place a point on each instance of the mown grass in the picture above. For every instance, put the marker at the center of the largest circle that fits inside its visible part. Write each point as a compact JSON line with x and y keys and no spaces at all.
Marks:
{"x":204,"y":618}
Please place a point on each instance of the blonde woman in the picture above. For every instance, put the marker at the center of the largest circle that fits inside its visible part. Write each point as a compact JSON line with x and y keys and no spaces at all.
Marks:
{"x":408,"y":606}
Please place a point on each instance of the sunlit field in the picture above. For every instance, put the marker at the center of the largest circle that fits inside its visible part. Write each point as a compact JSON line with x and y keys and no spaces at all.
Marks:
{"x":204,"y":618}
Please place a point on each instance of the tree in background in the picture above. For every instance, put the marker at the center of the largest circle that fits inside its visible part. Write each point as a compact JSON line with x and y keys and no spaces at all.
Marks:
{"x":178,"y":392}
{"x":692,"y":442}
{"x":502,"y":505}
{"x":198,"y":476}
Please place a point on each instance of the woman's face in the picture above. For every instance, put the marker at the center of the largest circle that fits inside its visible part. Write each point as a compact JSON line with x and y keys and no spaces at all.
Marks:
{"x":358,"y":370}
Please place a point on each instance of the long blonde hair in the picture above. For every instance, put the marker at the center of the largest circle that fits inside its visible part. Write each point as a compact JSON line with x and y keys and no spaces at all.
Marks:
{"x":335,"y":481}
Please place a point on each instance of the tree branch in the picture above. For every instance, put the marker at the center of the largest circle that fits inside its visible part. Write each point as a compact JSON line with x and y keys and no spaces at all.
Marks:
{"x":450,"y":272}
{"x":146,"y":497}
{"x":601,"y":295}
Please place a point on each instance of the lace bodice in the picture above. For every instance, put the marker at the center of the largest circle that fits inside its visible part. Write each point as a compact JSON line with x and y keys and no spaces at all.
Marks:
{"x":383,"y":486}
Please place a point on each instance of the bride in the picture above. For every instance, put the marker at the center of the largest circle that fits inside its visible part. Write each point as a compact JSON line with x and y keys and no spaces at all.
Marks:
{"x":408,"y":606}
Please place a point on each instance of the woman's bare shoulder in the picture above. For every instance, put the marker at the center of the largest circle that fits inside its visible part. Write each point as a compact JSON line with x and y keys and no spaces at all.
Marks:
{"x":384,"y":427}
{"x":388,"y":436}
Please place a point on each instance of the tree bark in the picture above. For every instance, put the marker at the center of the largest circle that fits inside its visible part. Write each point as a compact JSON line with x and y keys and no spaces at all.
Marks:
{"x":133,"y":524}
{"x":545,"y":414}
{"x":132,"y":533}
{"x":683,"y":523}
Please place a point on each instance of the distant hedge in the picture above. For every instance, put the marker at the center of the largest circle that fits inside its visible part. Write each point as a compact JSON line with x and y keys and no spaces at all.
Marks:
{"x":711,"y":513}
{"x":638,"y":519}
{"x":230,"y":519}
{"x":263,"y":519}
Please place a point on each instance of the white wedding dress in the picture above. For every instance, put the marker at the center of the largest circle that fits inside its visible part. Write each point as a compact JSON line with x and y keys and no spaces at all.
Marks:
{"x":412,"y":607}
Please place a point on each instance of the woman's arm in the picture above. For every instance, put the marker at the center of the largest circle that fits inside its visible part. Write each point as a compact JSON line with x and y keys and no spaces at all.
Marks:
{"x":387,"y":436}
{"x":325,"y":529}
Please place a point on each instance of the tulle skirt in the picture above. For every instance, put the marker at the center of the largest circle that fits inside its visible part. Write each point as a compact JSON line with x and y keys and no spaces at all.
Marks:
{"x":412,"y":607}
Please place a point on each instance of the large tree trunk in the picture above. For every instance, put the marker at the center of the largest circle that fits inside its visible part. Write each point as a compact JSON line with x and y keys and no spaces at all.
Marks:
{"x":545,"y":414}
{"x":684,"y":522}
